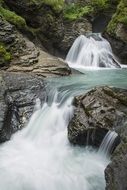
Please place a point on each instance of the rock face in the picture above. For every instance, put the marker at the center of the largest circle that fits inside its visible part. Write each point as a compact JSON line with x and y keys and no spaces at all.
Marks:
{"x":116,"y":31}
{"x":55,"y":33}
{"x":119,"y":44}
{"x":116,"y":172}
{"x":18,"y":93}
{"x":26,"y":57}
{"x":96,"y":112}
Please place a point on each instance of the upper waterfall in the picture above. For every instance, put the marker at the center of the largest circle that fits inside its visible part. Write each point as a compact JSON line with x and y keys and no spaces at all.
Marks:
{"x":91,"y":51}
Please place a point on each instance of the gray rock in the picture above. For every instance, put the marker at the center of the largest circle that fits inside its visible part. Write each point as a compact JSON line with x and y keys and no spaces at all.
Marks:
{"x":96,"y":112}
{"x":116,"y":172}
{"x":18,"y":93}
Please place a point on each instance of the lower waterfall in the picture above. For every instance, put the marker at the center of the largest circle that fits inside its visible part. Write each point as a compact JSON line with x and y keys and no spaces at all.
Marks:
{"x":91,"y":52}
{"x":39,"y":157}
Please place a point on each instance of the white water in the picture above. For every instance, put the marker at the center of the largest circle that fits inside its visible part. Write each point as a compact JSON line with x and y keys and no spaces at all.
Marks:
{"x":91,"y":53}
{"x":107,"y":143}
{"x":40,"y":157}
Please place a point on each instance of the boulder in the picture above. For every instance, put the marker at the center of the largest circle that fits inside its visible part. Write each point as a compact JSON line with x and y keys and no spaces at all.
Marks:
{"x":96,"y":112}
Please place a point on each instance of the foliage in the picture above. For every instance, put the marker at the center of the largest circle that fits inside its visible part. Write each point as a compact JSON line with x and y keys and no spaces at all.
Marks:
{"x":56,"y":4}
{"x":119,"y":17}
{"x":75,"y":11}
{"x":100,"y":4}
{"x":5,"y":56}
{"x":13,"y":18}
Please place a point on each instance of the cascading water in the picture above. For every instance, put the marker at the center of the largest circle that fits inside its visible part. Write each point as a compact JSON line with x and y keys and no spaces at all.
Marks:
{"x":91,"y":52}
{"x":40,"y":157}
{"x":107,"y":143}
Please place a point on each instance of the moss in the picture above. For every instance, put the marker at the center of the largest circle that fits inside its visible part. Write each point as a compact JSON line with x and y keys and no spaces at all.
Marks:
{"x":5,"y":57}
{"x":100,"y":5}
{"x":57,"y":5}
{"x":13,"y":18}
{"x":76,"y":11}
{"x":119,"y":17}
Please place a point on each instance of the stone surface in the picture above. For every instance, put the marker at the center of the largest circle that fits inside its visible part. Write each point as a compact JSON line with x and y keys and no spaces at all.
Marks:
{"x":18,"y":94}
{"x":119,"y":44}
{"x":55,"y":33}
{"x":116,"y":172}
{"x":23,"y":52}
{"x":96,"y":112}
{"x":26,"y":57}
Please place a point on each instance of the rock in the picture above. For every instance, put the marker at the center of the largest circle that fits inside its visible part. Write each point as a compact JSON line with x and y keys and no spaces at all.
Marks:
{"x":116,"y":172}
{"x":18,"y":93}
{"x":52,"y":29}
{"x":119,"y":46}
{"x":46,"y":66}
{"x":116,"y":31}
{"x":23,"y":52}
{"x":26,"y":57}
{"x":96,"y":112}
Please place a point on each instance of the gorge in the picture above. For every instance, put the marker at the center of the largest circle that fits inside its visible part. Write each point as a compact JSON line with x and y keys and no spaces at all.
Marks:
{"x":63,"y":95}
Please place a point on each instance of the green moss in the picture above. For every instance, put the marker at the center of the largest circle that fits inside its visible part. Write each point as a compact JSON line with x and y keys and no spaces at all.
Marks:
{"x":76,"y":11}
{"x":57,"y":5}
{"x":100,"y":5}
{"x":13,"y":18}
{"x":5,"y":57}
{"x":119,"y":17}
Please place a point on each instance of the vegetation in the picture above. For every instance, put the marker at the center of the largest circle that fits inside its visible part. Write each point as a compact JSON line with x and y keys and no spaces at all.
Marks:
{"x":57,"y":5}
{"x":13,"y":18}
{"x":76,"y":11}
{"x":5,"y":57}
{"x":119,"y":17}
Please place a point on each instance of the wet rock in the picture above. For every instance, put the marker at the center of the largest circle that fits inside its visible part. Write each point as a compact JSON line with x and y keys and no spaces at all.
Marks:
{"x":116,"y":172}
{"x":96,"y":112}
{"x":18,"y":94}
{"x":119,"y":46}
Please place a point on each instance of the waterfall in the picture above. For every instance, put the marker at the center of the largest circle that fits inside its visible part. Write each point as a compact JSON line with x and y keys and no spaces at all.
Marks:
{"x":92,"y":51}
{"x":39,"y":157}
{"x":108,"y":142}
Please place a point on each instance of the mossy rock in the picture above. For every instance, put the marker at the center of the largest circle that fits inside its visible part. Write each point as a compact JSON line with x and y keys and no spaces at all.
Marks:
{"x":13,"y":18}
{"x":5,"y":57}
{"x":119,"y":17}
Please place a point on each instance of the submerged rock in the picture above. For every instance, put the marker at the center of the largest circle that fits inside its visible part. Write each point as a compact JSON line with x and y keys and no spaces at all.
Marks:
{"x":18,"y":93}
{"x":96,"y":112}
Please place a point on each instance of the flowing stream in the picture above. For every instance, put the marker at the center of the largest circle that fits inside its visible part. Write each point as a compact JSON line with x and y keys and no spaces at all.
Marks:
{"x":39,"y":157}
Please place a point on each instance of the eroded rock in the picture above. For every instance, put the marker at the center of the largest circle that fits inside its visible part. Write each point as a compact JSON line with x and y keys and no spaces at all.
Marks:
{"x":18,"y":94}
{"x":96,"y":112}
